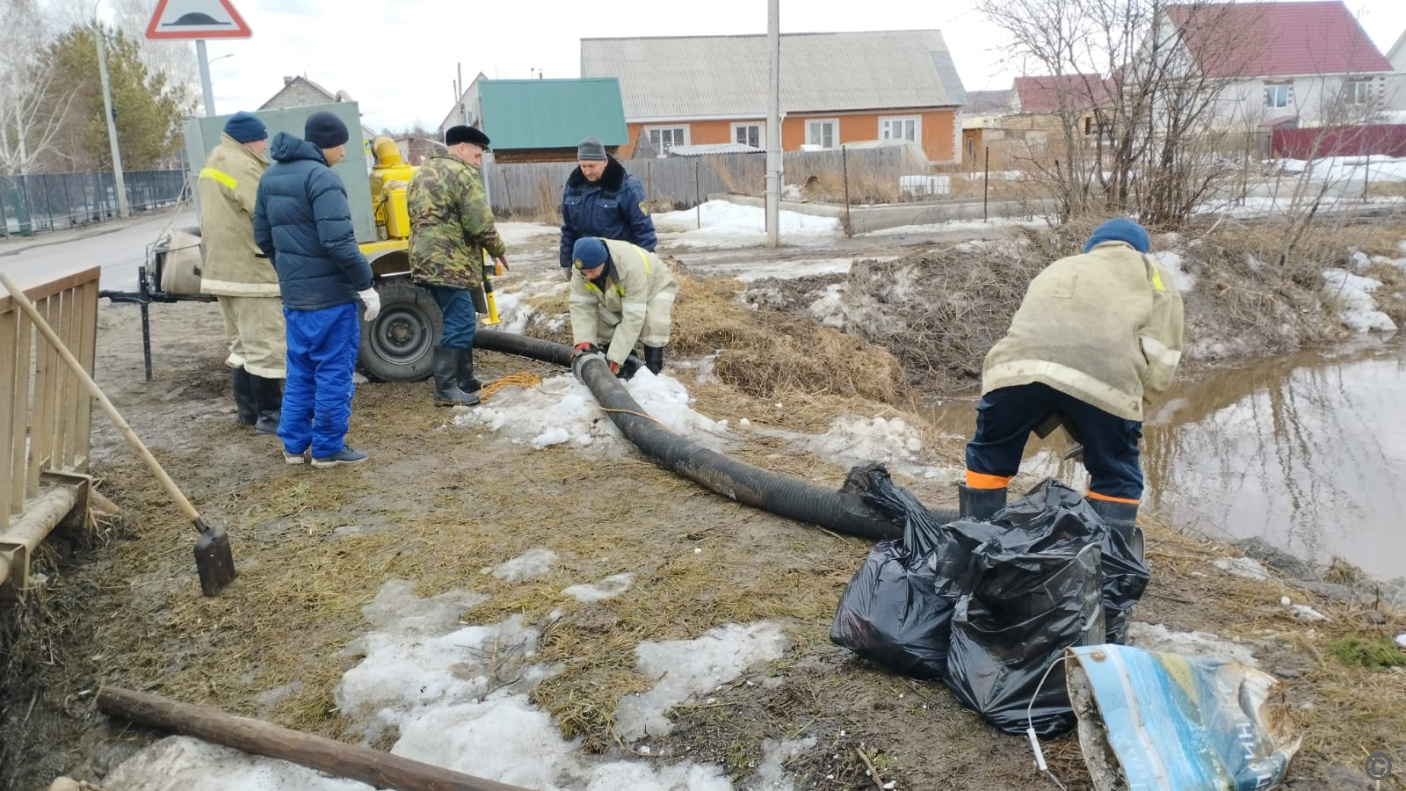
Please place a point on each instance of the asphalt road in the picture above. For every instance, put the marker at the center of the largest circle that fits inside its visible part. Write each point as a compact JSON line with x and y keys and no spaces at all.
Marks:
{"x":119,"y":248}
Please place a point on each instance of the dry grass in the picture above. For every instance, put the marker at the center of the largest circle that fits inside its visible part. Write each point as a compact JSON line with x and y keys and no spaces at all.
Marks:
{"x":761,"y":352}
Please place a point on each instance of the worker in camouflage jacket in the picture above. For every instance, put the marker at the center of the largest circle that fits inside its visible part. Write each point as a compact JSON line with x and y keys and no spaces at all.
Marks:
{"x":1096,"y":339}
{"x":451,"y":228}
{"x":234,"y":270}
{"x":620,"y":294}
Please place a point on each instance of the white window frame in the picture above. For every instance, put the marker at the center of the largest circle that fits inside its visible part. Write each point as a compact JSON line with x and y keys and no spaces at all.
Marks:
{"x":671,"y":128}
{"x":761,"y":131}
{"x":900,"y":120}
{"x":1350,"y":89}
{"x":835,"y":122}
{"x":1276,"y":86}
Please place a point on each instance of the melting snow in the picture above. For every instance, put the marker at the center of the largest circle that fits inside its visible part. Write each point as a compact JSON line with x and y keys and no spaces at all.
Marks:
{"x":1171,"y":263}
{"x":608,"y":588}
{"x":1359,"y":311}
{"x":686,"y":667}
{"x":730,"y":225}
{"x":562,"y":410}
{"x":457,"y":697}
{"x":533,"y":563}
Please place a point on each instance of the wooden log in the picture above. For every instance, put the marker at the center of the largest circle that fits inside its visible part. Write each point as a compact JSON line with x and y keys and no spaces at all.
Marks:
{"x":376,"y":768}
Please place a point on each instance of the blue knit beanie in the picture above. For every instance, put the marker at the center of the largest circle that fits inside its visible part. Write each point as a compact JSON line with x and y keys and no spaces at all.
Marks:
{"x":1119,"y":230}
{"x":246,"y":127}
{"x":325,"y":130}
{"x":588,"y":253}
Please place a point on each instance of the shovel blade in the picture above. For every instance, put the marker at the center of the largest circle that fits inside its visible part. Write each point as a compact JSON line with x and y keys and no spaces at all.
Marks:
{"x":214,"y":559}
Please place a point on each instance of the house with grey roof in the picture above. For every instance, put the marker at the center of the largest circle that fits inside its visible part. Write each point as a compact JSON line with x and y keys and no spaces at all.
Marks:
{"x":836,"y":88}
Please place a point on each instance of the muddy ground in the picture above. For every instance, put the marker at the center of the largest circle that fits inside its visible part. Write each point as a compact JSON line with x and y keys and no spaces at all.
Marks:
{"x":437,"y":504}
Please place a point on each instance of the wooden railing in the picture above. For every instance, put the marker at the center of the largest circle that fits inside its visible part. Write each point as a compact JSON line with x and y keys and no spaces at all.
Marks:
{"x":45,"y":414}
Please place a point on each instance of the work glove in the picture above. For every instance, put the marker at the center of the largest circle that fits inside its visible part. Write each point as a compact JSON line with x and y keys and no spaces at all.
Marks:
{"x":372,"y":301}
{"x":585,"y":347}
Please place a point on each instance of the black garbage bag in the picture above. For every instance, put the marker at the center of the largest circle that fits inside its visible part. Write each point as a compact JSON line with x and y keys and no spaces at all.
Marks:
{"x":1029,"y":602}
{"x":898,"y":608}
{"x":1123,"y":577}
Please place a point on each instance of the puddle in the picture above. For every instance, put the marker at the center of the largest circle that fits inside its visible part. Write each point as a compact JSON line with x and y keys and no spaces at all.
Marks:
{"x":1307,"y":451}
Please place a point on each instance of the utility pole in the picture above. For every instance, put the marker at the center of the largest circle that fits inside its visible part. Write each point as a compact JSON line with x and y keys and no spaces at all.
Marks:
{"x":773,"y":125}
{"x":119,"y":186}
{"x":206,"y":91}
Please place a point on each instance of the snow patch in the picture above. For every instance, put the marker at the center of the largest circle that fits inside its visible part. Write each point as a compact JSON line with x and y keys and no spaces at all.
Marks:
{"x":530,"y":564}
{"x":1171,"y":263}
{"x":721,"y":224}
{"x":562,"y":410}
{"x":829,"y":309}
{"x":1359,"y":312}
{"x":772,"y":776}
{"x":1156,"y":637}
{"x":608,"y":588}
{"x":687,"y":667}
{"x":516,"y":233}
{"x":1243,"y":567}
{"x":178,"y":763}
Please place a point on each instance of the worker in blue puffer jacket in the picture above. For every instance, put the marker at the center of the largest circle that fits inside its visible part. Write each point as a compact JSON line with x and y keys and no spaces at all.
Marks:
{"x":302,"y":223}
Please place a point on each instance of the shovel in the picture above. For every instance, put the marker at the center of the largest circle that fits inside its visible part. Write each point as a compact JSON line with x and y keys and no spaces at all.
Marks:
{"x":213,"y":558}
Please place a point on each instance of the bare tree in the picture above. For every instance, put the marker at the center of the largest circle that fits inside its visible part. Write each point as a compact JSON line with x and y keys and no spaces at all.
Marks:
{"x":1151,"y":74}
{"x":31,"y":114}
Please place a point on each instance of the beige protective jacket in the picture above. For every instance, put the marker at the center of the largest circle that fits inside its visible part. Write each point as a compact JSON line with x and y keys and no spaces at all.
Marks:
{"x":1104,"y":327}
{"x":636,"y":303}
{"x":228,"y":183}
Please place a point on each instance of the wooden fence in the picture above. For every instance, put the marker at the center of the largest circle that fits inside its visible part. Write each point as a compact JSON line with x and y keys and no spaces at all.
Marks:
{"x":45,"y":414}
{"x":871,"y":174}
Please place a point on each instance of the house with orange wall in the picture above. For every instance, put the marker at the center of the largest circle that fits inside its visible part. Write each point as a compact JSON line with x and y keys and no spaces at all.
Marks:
{"x":836,"y":88}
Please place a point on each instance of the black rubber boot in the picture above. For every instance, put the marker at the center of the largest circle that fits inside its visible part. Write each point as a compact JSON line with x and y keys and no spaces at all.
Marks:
{"x":465,"y":377}
{"x":1121,"y":517}
{"x":979,"y":504}
{"x":446,"y":385}
{"x":247,"y":412}
{"x":268,"y":396}
{"x":654,"y":359}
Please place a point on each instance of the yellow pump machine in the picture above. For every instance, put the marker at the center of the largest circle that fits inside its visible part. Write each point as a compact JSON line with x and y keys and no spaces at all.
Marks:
{"x":390,"y":179}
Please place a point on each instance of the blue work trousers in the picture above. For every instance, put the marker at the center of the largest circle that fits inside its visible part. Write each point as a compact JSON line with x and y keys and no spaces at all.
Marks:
{"x":322,"y":349}
{"x":1005,"y":418}
{"x":460,"y":316}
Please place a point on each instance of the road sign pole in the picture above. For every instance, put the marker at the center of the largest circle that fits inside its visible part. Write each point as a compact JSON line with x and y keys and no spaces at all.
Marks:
{"x":118,"y":186}
{"x":207,"y":92}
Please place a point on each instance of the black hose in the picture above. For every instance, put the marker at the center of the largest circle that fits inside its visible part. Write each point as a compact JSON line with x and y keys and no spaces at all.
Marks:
{"x":776,"y":494}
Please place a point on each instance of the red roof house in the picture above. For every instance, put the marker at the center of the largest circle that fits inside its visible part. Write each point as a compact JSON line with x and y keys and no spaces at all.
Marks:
{"x":1306,"y":60}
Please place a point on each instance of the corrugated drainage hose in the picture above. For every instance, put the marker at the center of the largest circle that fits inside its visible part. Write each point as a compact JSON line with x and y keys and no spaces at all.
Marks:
{"x":773,"y":493}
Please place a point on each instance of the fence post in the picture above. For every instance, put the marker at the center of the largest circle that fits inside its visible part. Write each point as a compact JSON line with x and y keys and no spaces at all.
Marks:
{"x":697,"y":192}
{"x":649,"y":178}
{"x":844,"y":176}
{"x":5,"y":223}
{"x":1366,"y":176}
{"x":986,"y":185}
{"x":67,"y":201}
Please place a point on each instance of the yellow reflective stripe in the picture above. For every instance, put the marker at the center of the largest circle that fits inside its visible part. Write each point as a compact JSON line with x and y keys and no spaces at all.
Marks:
{"x":1157,"y":280}
{"x":220,"y":176}
{"x":643,"y":257}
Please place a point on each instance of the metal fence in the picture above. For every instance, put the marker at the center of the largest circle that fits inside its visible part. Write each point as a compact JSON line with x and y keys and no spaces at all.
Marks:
{"x":53,"y":201}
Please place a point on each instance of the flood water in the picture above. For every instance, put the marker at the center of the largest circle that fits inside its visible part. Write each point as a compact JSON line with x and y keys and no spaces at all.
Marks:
{"x":1307,"y":451}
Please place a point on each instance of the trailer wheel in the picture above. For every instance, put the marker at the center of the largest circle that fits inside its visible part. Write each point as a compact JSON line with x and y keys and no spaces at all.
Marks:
{"x":399,"y":345}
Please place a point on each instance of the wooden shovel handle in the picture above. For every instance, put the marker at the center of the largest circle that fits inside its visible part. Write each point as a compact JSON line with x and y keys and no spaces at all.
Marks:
{"x":17,"y":294}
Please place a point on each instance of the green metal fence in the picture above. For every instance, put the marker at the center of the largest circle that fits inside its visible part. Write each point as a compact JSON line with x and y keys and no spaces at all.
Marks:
{"x":53,"y":201}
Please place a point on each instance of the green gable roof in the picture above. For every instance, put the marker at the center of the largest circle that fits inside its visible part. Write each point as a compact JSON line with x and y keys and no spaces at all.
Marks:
{"x":520,"y":114}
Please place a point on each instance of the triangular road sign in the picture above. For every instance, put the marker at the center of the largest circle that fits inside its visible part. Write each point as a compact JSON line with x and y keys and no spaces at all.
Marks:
{"x":196,"y":19}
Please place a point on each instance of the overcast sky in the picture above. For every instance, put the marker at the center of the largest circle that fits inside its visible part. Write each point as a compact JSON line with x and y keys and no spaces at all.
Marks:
{"x":397,"y":58}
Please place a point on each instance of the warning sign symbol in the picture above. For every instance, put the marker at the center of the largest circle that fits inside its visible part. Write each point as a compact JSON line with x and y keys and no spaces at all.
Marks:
{"x":196,"y":19}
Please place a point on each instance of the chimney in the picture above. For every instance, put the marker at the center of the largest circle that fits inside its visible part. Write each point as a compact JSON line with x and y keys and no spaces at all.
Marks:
{"x":288,"y":80}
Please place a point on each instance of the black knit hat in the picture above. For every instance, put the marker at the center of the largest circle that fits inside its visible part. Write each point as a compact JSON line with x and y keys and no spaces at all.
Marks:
{"x":465,"y":134}
{"x":325,"y":130}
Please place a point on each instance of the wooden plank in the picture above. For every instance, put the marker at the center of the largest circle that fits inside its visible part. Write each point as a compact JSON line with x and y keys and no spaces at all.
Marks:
{"x":20,"y":415}
{"x":42,"y":427}
{"x":339,"y":759}
{"x":87,"y":355}
{"x":63,"y":384}
{"x":9,"y":381}
{"x":40,"y":285}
